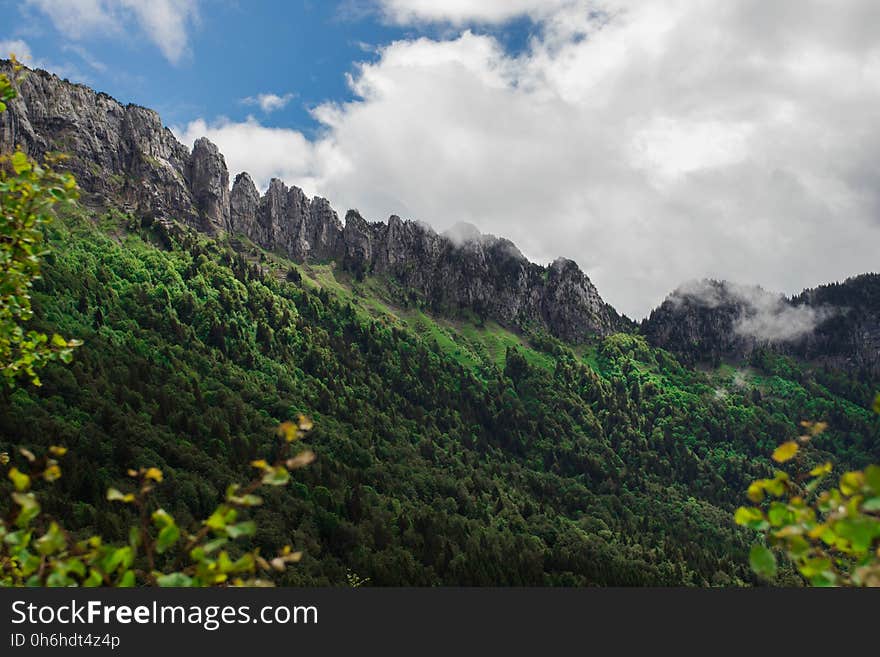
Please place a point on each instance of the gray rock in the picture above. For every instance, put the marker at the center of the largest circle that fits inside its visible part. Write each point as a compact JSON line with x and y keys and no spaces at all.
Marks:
{"x":208,"y":180}
{"x":358,"y":237}
{"x":244,"y":203}
{"x":117,"y":153}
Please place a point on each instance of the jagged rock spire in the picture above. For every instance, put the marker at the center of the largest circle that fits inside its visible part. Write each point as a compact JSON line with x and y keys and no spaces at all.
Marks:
{"x":208,"y":181}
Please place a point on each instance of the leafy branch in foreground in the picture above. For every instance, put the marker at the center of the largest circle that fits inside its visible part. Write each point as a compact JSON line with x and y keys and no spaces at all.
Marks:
{"x":28,"y":192}
{"x":36,"y":551}
{"x":830,"y":533}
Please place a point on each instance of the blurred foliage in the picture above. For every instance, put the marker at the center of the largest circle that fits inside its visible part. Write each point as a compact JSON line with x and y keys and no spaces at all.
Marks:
{"x":28,"y":192}
{"x":36,"y":551}
{"x":829,"y":531}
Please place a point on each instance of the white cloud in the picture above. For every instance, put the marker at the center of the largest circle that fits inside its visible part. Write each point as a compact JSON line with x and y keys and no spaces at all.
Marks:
{"x":459,"y":12}
{"x":24,"y":53}
{"x":263,"y":152}
{"x":650,"y":142}
{"x":165,"y":22}
{"x":17,"y":47}
{"x":78,"y":18}
{"x":268,"y":102}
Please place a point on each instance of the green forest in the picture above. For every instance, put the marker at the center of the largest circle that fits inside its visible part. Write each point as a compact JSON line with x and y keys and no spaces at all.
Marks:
{"x":450,"y":451}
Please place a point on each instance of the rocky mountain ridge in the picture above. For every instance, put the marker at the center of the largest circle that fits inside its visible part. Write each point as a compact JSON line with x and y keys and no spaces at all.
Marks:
{"x":123,"y":155}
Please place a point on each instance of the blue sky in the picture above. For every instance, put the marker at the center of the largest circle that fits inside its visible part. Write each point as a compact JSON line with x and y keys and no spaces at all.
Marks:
{"x":299,"y":50}
{"x":651,"y":142}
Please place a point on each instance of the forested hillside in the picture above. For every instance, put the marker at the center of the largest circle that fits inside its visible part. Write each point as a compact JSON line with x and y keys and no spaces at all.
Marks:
{"x":450,"y":451}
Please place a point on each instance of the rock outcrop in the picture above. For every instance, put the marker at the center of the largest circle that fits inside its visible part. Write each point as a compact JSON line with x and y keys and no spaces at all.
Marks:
{"x":837,"y":325}
{"x":209,"y":182}
{"x":123,"y":156}
{"x":119,"y":152}
{"x":244,"y":203}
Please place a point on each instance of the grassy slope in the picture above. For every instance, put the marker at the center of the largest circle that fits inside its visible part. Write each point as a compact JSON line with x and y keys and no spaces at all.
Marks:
{"x":474,"y":345}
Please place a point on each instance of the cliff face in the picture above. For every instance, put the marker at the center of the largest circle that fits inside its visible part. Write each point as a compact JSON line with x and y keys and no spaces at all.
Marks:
{"x":116,"y":152}
{"x":122,"y":155}
{"x":849,"y":337}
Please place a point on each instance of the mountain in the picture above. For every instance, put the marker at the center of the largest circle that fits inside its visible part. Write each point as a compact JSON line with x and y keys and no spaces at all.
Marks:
{"x":479,"y":420}
{"x":123,"y":156}
{"x":836,"y":325}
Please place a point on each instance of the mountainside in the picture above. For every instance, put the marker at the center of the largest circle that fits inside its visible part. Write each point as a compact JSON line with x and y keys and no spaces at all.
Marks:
{"x":479,"y":419}
{"x":836,"y":325}
{"x":123,"y":156}
{"x":448,"y":452}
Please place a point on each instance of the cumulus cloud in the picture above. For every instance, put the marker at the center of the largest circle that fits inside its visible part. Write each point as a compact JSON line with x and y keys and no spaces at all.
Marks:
{"x":650,"y":142}
{"x":280,"y":152}
{"x":268,"y":102}
{"x":165,"y":22}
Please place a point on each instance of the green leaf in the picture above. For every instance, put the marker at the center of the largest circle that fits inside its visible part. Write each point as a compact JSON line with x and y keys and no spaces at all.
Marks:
{"x":134,"y":536}
{"x":167,"y":538}
{"x":776,"y":486}
{"x":20,"y":480}
{"x":213,"y":546}
{"x":127,"y":580}
{"x":247,"y":528}
{"x":813,"y":567}
{"x":745,"y":515}
{"x":94,"y":579}
{"x":115,"y":495}
{"x":797,"y":546}
{"x":121,"y":557}
{"x":174,"y":580}
{"x":872,"y":478}
{"x":824,"y":579}
{"x":57,"y":578}
{"x":762,"y":561}
{"x":779,"y":514}
{"x":859,"y":531}
{"x":161,"y":518}
{"x":276,"y":477}
{"x":20,"y":163}
{"x":30,"y":508}
{"x":877,"y":404}
{"x":756,"y":491}
{"x":52,"y":541}
{"x":221,"y":517}
{"x":851,"y":482}
{"x":77,"y":567}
